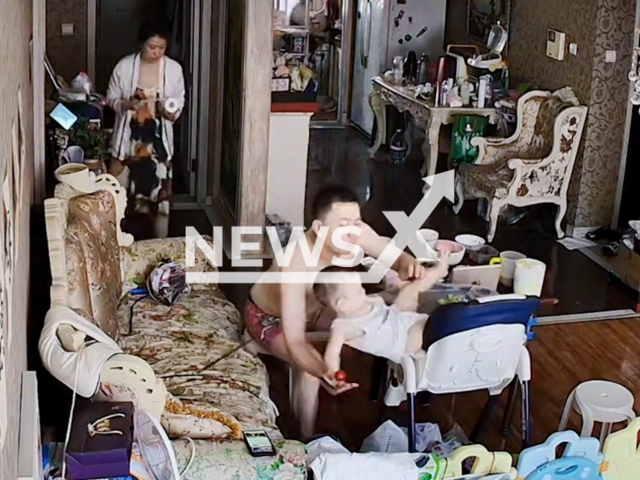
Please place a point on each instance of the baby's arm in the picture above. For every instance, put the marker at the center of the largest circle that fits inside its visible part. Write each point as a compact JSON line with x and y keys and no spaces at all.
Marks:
{"x":334,"y":348}
{"x":407,"y":299}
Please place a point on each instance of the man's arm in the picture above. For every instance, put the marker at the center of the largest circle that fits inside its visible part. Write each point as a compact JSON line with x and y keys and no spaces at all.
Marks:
{"x":334,"y":348}
{"x":373,"y":245}
{"x":294,"y":325}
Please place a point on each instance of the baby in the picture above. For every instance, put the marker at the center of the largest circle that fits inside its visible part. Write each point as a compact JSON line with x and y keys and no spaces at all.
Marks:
{"x":367,"y":324}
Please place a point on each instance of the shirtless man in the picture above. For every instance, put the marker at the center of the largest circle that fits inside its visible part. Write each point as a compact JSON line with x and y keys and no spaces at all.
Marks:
{"x":278,"y":314}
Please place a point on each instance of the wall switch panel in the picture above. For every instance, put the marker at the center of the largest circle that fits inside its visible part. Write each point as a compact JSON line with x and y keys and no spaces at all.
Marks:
{"x":67,"y":28}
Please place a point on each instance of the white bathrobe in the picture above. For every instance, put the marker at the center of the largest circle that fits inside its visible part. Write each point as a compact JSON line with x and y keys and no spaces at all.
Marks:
{"x":122,"y":86}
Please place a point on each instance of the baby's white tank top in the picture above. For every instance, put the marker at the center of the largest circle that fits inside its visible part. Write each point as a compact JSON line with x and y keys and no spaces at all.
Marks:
{"x":383,"y":332}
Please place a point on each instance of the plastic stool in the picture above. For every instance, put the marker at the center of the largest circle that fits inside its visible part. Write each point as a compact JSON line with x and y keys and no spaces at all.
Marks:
{"x":599,"y":401}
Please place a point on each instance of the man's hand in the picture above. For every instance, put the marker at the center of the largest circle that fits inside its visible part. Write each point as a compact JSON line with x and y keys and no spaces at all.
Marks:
{"x":409,"y":268}
{"x":336,"y":387}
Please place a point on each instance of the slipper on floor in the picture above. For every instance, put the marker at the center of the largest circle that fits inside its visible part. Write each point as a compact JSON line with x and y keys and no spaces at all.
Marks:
{"x":603,"y":233}
{"x":610,"y":249}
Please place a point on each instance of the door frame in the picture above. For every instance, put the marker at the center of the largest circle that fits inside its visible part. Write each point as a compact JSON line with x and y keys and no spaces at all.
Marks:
{"x":38,"y":49}
{"x":199,"y":141}
{"x":627,"y":132}
{"x":349,"y":8}
{"x":345,"y":75}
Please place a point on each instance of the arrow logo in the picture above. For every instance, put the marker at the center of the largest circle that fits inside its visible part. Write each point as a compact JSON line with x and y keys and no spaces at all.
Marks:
{"x":442,"y":185}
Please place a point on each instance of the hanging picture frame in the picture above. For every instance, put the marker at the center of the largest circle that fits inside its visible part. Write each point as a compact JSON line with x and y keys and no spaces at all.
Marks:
{"x":484,"y":14}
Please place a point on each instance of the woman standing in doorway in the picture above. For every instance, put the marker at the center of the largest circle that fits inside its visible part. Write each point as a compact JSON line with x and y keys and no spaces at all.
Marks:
{"x":146,"y":90}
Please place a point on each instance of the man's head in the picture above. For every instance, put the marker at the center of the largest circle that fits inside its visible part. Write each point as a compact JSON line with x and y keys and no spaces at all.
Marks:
{"x":341,"y":290}
{"x":335,"y":206}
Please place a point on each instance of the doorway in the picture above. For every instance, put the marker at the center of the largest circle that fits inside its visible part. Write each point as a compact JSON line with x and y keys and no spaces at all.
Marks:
{"x":115,"y":35}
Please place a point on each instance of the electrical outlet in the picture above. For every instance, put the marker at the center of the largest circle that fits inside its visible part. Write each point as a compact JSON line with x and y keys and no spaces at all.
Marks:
{"x":610,"y":56}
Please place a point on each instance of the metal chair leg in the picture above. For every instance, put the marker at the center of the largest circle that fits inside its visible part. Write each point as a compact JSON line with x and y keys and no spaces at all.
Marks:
{"x":505,"y":428}
{"x":411,"y":427}
{"x":378,"y":378}
{"x":526,"y":423}
{"x":483,"y":418}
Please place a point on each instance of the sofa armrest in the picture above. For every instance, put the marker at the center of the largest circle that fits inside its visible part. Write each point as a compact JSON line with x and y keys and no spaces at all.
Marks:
{"x":77,"y":369}
{"x":126,"y":378}
{"x":70,"y":338}
{"x":139,"y":259}
{"x":491,"y":150}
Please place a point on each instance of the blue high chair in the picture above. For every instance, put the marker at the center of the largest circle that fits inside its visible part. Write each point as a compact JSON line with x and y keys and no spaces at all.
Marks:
{"x":473,"y":346}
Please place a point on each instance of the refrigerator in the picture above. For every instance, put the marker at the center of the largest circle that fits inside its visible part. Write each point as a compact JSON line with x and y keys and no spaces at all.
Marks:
{"x":384,"y":29}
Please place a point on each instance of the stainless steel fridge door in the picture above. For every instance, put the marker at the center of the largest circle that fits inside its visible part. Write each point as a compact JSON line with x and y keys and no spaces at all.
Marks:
{"x":369,"y":58}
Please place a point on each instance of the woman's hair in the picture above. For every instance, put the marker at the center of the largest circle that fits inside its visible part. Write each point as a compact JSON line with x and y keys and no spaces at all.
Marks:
{"x":153,"y":29}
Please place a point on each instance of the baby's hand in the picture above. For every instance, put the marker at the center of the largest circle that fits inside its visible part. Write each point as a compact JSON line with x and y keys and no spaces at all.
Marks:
{"x":443,"y":265}
{"x":435,"y":273}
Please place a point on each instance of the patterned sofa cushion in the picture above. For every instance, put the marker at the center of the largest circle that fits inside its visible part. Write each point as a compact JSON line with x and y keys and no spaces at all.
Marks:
{"x":195,"y":347}
{"x":91,"y":232}
{"x":140,"y":258}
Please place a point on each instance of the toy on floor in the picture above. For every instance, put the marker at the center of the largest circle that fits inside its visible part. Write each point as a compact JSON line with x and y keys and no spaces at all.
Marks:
{"x":621,"y":454}
{"x":580,"y":460}
{"x":487,"y":463}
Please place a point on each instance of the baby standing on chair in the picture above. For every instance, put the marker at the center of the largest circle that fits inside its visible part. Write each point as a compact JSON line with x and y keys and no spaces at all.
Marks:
{"x":366,"y":323}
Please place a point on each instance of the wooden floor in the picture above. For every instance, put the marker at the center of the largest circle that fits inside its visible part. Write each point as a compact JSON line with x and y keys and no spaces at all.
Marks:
{"x":562,"y":357}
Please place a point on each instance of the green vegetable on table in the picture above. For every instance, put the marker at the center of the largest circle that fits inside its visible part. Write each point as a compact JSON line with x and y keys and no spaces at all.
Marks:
{"x":451,"y":298}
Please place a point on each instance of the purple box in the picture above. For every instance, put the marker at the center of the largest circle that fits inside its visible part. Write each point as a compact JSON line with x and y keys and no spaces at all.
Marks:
{"x":96,"y":449}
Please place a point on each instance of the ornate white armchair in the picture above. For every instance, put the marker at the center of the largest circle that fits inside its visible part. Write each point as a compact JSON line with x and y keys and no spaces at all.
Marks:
{"x":532,"y":166}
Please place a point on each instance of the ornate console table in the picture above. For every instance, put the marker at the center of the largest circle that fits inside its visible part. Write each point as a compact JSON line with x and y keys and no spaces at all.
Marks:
{"x":425,"y":115}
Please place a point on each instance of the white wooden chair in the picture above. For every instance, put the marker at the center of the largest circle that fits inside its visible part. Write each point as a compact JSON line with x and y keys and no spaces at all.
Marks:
{"x":532,"y":166}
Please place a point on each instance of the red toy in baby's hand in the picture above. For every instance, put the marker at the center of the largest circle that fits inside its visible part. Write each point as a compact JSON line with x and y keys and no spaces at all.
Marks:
{"x":341,"y":376}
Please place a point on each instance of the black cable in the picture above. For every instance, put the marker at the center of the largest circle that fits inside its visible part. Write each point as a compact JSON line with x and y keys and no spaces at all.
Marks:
{"x":211,"y":364}
{"x":131,"y":312}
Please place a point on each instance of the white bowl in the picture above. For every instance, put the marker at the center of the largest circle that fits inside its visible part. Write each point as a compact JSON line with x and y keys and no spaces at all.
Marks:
{"x":470,"y":242}
{"x":428,"y":234}
{"x":457,"y":250}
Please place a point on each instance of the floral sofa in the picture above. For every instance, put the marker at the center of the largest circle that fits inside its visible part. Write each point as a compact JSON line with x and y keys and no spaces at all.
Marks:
{"x":172,"y":353}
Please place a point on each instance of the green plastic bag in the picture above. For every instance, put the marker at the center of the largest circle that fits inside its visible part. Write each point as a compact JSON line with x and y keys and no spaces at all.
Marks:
{"x":466,"y":128}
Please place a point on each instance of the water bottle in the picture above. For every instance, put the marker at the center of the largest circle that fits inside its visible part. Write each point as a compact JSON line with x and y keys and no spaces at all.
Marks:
{"x":398,"y":69}
{"x":423,"y":69}
{"x":398,"y":148}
